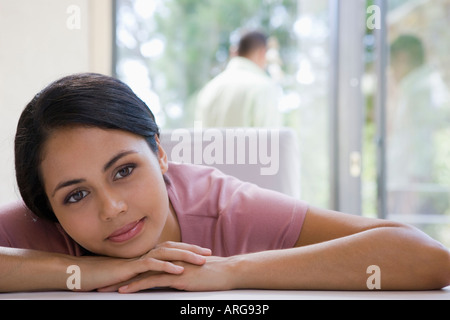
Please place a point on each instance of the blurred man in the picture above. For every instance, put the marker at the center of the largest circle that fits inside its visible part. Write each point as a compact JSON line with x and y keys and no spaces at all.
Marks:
{"x":243,"y":95}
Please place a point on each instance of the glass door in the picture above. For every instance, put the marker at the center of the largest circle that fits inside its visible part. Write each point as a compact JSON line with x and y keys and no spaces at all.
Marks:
{"x":408,"y":122}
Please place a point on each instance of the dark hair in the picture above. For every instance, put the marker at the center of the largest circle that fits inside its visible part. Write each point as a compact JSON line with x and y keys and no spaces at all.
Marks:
{"x":250,"y":42}
{"x":87,"y":99}
{"x":410,"y":45}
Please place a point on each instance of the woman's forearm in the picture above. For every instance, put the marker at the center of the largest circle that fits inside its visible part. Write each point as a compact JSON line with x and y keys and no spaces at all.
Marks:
{"x":29,"y":270}
{"x":406,"y":258}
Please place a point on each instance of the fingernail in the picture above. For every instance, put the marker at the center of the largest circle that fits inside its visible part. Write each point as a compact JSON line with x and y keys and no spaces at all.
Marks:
{"x":123,"y":289}
{"x":178,"y":268}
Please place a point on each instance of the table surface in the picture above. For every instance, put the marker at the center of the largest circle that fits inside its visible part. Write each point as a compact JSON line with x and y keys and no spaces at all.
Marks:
{"x":163,"y":294}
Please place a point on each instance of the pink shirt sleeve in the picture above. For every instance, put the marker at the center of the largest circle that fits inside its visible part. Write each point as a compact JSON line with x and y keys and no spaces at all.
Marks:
{"x":229,"y":216}
{"x":20,"y":228}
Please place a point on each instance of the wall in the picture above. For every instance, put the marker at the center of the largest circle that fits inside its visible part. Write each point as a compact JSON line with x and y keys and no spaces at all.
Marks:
{"x":40,"y":41}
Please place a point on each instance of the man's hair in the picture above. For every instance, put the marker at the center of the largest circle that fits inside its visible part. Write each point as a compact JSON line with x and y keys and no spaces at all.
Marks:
{"x":250,"y":42}
{"x":411,"y":46}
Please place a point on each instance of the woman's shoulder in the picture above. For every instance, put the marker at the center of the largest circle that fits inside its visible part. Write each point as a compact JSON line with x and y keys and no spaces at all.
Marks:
{"x":191,"y":185}
{"x":211,"y":205}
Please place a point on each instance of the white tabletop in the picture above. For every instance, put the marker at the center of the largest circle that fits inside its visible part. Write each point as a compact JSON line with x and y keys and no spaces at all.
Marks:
{"x":443,"y":294}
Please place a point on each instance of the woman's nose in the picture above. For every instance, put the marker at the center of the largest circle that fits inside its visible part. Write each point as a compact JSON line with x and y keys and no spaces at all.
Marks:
{"x":112,"y":205}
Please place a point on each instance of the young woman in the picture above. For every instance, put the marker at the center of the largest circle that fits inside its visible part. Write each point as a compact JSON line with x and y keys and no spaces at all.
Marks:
{"x":101,"y":195}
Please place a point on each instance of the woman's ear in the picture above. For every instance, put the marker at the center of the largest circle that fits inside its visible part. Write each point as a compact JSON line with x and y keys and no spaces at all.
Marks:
{"x":162,"y":156}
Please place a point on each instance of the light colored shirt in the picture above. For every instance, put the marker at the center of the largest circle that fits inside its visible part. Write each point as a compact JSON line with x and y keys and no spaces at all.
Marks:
{"x":214,"y":211}
{"x":243,"y":95}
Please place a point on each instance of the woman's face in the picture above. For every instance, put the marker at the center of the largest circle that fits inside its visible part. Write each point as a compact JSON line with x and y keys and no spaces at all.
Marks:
{"x":107,"y":190}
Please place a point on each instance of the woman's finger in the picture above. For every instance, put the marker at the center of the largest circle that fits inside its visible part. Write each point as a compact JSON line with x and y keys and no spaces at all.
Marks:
{"x":186,"y":246}
{"x":145,"y":267}
{"x":175,"y":254}
{"x":146,"y":264}
{"x":153,"y":281}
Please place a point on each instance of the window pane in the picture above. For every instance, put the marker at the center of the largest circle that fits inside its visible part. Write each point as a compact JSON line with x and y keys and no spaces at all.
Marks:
{"x":418,"y":115}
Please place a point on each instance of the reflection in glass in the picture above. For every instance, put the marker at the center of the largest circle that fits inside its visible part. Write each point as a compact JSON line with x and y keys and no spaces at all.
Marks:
{"x":417,"y":116}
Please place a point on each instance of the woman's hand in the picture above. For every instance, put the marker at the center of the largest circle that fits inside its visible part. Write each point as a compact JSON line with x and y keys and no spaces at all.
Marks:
{"x":104,"y":273}
{"x":178,"y":251}
{"x":215,"y":274}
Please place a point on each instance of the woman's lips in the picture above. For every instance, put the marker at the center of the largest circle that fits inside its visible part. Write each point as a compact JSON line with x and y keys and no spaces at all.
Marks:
{"x":127,"y":232}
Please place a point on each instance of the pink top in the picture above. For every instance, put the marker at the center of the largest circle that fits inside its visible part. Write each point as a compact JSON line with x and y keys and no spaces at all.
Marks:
{"x":221,"y":213}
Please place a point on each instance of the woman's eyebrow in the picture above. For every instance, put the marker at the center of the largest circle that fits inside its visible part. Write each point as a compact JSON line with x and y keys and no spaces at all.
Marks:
{"x":116,"y":158}
{"x":67,"y":184}
{"x":108,"y":165}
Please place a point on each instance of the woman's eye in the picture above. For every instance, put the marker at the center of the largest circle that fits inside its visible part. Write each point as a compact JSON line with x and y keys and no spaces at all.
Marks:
{"x":124,"y":172}
{"x":76,"y":196}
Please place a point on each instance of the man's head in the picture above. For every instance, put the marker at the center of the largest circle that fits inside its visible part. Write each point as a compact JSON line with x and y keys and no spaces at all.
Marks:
{"x":253,"y":46}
